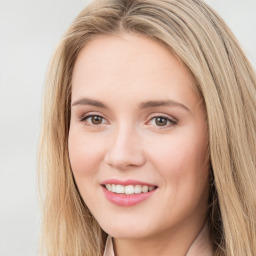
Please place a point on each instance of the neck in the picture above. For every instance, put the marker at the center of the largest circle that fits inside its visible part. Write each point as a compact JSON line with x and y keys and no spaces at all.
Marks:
{"x":176,"y":241}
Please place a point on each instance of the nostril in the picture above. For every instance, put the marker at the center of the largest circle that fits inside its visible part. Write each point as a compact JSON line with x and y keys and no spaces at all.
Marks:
{"x":122,"y":160}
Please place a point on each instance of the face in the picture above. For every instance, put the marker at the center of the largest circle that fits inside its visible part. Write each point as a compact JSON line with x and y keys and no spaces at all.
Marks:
{"x":138,"y":138}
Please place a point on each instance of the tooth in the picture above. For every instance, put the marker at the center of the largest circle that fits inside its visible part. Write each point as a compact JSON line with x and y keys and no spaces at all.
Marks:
{"x":151,"y":188}
{"x":113,"y":189}
{"x":145,"y":189}
{"x":137,"y":189}
{"x":129,"y":189}
{"x":119,"y":189}
{"x":109,"y":187}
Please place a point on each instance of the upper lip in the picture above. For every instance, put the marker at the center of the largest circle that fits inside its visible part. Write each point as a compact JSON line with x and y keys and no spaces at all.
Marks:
{"x":127,"y":182}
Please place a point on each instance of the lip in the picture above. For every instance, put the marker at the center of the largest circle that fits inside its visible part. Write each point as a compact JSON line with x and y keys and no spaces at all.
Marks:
{"x":126,"y":182}
{"x":126,"y":200}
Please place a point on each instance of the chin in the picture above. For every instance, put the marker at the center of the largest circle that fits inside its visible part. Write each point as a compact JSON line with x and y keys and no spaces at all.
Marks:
{"x":126,"y":230}
{"x":128,"y":234}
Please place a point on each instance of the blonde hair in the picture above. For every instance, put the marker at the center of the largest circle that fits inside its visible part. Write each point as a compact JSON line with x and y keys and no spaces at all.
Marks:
{"x":225,"y":79}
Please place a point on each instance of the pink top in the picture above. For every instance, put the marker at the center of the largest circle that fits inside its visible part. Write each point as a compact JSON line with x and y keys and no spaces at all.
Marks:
{"x":200,"y":247}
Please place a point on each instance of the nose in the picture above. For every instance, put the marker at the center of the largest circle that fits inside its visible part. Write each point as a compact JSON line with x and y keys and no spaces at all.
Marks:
{"x":125,"y":150}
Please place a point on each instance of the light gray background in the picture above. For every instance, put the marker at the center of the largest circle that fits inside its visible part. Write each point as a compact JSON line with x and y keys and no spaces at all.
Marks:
{"x":29,"y":32}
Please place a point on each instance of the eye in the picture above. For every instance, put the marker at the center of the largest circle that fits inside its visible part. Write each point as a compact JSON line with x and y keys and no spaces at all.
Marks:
{"x":94,"y":120}
{"x":162,"y":121}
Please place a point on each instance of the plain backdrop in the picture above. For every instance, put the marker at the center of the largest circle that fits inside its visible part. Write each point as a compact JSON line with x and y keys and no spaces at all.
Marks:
{"x":29,"y":32}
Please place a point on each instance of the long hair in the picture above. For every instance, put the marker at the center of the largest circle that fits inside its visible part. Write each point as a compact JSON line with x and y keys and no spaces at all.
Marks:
{"x":227,"y":84}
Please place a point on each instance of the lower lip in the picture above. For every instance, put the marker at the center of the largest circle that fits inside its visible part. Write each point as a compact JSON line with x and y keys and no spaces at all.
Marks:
{"x":126,"y":200}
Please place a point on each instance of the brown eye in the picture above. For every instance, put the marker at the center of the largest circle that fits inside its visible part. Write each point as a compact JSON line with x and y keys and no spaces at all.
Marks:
{"x":161,"y":121}
{"x":96,"y":120}
{"x":93,"y":120}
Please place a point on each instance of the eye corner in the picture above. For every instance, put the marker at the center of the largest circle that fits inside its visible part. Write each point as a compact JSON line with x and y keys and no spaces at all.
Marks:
{"x":94,"y":120}
{"x":162,"y":121}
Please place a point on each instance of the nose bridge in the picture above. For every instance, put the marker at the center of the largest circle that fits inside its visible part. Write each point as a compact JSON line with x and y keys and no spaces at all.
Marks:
{"x":125,"y":149}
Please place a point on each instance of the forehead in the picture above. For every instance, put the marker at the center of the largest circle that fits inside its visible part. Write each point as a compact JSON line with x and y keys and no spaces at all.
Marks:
{"x":129,"y":64}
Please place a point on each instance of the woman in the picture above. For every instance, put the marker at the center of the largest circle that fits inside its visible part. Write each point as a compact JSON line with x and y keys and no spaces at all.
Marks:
{"x":149,"y":134}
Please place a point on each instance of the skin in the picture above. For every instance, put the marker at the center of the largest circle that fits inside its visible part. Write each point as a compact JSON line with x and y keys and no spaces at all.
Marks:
{"x":122,"y":73}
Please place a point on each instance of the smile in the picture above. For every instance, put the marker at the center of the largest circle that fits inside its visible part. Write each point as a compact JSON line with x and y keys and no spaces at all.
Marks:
{"x":127,"y":193}
{"x":129,"y":189}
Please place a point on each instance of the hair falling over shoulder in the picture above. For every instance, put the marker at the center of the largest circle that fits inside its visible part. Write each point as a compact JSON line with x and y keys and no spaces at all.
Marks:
{"x":227,"y":84}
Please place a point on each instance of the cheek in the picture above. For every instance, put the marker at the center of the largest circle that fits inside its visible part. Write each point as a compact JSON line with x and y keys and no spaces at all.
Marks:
{"x":179,"y":155}
{"x":85,"y":153}
{"x":182,"y":161}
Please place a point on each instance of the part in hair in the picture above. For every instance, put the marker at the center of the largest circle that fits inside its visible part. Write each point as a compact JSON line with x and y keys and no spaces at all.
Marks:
{"x":224,"y":78}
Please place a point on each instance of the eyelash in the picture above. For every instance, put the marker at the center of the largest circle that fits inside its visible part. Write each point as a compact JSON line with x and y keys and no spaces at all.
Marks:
{"x":86,"y":117}
{"x":172,"y":122}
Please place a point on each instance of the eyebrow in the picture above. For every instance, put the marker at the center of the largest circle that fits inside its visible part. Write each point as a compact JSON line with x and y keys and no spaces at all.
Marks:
{"x":91,"y":102}
{"x":143,"y":105}
{"x":160,"y":103}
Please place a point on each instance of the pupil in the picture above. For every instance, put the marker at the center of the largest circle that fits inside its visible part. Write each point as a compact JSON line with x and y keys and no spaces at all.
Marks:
{"x":96,"y":120}
{"x":161,"y":121}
